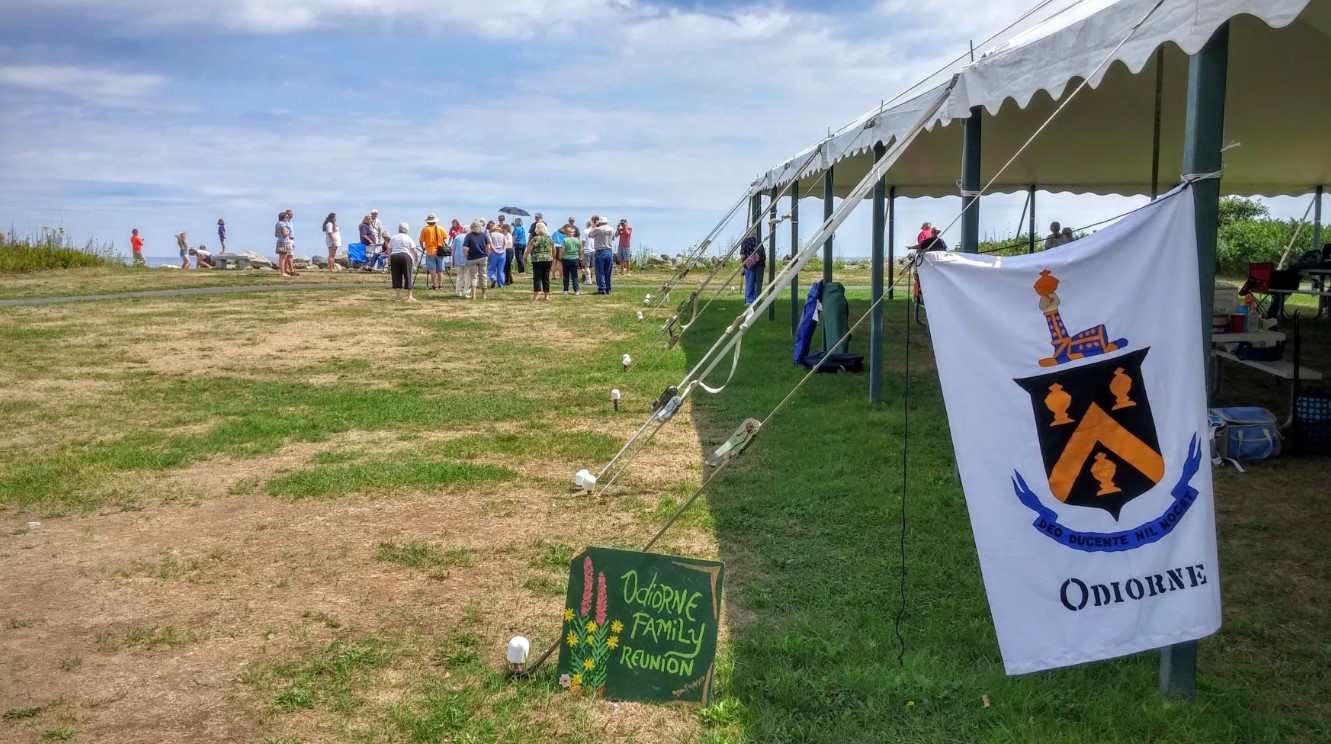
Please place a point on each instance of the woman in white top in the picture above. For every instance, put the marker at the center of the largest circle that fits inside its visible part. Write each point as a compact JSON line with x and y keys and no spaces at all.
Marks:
{"x":333,"y":237}
{"x":498,"y":254}
{"x":402,"y":260}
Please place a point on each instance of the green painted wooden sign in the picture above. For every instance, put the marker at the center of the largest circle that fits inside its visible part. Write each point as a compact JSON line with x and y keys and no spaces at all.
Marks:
{"x":641,"y":626}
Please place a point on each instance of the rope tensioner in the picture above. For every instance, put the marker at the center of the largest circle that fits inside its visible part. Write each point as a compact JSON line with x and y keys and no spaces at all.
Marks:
{"x":732,"y":447}
{"x":668,"y":411}
{"x":670,"y":392}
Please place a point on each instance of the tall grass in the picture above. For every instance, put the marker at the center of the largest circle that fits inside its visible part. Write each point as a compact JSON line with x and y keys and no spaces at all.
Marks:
{"x":53,"y":249}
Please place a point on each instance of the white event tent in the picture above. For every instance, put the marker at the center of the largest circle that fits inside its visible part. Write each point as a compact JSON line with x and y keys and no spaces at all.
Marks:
{"x":1276,"y":103}
{"x":1238,"y":88}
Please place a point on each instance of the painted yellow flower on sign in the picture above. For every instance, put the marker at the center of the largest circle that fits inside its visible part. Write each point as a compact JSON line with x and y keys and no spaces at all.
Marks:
{"x":591,"y":626}
{"x":616,"y":626}
{"x":572,"y":639}
{"x":589,"y":665}
{"x":568,"y":614}
{"x":612,"y":641}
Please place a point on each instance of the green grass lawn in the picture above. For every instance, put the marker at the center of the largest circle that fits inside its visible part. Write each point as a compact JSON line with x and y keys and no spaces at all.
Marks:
{"x":321,"y":519}
{"x":809,"y":522}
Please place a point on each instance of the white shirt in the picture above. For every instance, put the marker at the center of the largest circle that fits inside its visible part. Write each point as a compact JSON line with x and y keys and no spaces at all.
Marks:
{"x":497,"y":242}
{"x":334,"y":235}
{"x":402,"y":243}
{"x":378,"y":228}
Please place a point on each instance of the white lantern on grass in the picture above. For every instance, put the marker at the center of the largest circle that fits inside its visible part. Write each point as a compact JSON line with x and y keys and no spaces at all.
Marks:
{"x":584,"y":480}
{"x":518,"y":648}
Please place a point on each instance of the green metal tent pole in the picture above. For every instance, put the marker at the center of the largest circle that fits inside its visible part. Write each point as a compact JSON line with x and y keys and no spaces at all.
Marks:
{"x":1155,"y":127}
{"x":795,"y":310}
{"x":827,"y":214}
{"x":1317,"y":220}
{"x":891,"y":240}
{"x":970,"y":182}
{"x":1204,"y":133}
{"x":771,"y":253}
{"x":1317,"y":242}
{"x":756,"y":217}
{"x":753,"y":212}
{"x":1032,"y":197}
{"x":876,"y":284}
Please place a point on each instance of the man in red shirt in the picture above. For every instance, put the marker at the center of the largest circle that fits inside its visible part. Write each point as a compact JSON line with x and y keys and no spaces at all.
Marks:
{"x":136,"y":242}
{"x":625,"y":256}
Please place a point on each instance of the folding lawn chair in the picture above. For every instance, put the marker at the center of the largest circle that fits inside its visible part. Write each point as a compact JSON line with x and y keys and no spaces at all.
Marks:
{"x":1264,"y":277}
{"x":356,"y":255}
{"x":1258,"y":284}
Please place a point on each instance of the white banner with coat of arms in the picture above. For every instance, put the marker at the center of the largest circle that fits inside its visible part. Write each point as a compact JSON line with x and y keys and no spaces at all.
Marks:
{"x":1075,"y":390}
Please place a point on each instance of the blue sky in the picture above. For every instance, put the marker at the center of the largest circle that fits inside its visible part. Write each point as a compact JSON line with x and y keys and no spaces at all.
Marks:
{"x":165,"y":115}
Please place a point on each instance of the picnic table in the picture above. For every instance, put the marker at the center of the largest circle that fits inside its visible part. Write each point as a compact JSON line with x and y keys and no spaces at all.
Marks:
{"x":1225,"y":346}
{"x":1319,"y":281}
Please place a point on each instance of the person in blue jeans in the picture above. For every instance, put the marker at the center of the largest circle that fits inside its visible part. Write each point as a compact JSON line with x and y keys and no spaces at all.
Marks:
{"x":605,"y":269}
{"x":498,"y":254}
{"x":754,"y":262}
{"x":603,"y":257}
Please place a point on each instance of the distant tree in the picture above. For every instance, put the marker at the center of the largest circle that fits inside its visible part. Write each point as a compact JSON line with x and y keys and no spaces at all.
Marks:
{"x":1241,"y":209}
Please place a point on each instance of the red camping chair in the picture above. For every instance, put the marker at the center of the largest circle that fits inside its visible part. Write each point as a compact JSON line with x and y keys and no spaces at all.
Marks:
{"x":1259,"y":284}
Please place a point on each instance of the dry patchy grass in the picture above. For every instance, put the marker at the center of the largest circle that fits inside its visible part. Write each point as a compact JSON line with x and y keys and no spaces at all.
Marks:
{"x":185,"y":603}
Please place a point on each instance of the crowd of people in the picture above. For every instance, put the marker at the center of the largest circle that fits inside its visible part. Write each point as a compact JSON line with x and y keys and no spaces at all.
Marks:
{"x":484,"y":253}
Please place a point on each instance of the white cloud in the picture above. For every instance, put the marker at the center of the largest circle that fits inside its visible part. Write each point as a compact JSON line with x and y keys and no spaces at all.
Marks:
{"x":709,"y":102}
{"x":493,"y":18}
{"x":99,"y":86}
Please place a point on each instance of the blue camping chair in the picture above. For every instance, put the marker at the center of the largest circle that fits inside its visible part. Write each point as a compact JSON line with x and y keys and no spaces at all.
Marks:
{"x":356,"y":255}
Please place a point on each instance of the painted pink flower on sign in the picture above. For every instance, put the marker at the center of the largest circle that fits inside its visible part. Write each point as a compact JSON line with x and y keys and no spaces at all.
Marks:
{"x":587,"y":585}
{"x":589,"y":640}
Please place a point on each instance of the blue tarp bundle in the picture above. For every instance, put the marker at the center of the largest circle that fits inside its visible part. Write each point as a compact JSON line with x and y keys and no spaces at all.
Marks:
{"x":838,"y":361}
{"x":808,"y":323}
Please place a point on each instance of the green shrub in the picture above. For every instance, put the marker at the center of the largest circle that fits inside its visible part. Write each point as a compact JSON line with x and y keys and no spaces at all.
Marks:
{"x":53,"y":249}
{"x":1246,"y":241}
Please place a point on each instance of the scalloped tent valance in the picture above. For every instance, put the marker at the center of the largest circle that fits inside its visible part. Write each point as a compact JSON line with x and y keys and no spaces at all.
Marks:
{"x":1278,"y":103}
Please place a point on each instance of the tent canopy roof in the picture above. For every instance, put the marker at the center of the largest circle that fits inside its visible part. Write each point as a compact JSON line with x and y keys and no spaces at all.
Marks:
{"x":1276,"y":110}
